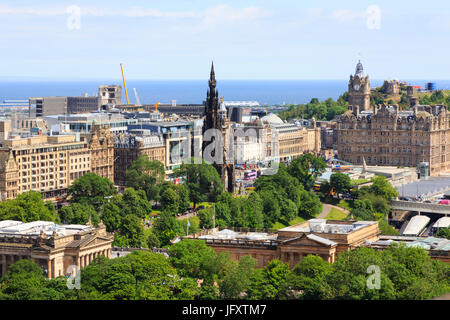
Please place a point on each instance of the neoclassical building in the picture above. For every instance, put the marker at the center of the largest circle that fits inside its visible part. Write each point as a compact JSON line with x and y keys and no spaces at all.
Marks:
{"x":324,"y":238}
{"x":53,"y":247}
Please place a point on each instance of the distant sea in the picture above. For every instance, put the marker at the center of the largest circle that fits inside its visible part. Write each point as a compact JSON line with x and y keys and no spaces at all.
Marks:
{"x":269,"y":92}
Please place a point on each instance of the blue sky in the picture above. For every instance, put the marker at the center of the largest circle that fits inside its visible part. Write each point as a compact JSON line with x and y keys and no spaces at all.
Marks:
{"x":254,"y":39}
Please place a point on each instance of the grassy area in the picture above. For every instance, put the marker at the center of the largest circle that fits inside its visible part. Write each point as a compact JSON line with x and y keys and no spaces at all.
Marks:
{"x":357,"y":182}
{"x":336,"y":214}
{"x":280,"y":225}
{"x":205,"y":204}
{"x":346,"y":204}
{"x":332,"y":201}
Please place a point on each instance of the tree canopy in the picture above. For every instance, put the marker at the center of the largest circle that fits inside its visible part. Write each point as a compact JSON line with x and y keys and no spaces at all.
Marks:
{"x":91,"y":189}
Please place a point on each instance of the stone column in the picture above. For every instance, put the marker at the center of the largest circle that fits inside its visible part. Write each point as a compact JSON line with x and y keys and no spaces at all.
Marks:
{"x":79,"y":262}
{"x":3,"y":262}
{"x":49,"y":268}
{"x":291,"y":259}
{"x":85,"y":263}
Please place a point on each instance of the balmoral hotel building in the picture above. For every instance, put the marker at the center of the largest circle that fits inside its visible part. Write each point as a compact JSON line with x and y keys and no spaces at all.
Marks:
{"x":51,"y":163}
{"x":386,"y":135}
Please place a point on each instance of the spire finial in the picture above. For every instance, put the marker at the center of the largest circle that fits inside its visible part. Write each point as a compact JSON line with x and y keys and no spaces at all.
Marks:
{"x":212,"y":80}
{"x":212,"y":70}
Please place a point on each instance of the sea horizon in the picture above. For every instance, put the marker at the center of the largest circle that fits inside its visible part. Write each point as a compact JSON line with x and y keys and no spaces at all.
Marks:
{"x":193,"y":91}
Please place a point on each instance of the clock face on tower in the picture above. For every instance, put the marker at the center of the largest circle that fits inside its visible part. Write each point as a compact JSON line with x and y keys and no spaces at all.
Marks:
{"x":356,"y":86}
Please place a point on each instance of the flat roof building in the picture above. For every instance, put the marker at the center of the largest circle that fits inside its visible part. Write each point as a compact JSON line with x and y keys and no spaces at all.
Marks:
{"x":53,"y":247}
{"x":45,"y":106}
{"x":325,"y":238}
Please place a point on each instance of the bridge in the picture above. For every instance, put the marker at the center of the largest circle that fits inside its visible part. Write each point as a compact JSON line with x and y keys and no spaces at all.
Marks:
{"x":420,"y":207}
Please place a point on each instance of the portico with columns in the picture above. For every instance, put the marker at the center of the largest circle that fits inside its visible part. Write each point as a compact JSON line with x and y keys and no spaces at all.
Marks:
{"x":57,"y":252}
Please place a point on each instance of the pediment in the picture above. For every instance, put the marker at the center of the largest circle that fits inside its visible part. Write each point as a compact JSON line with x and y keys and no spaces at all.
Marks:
{"x":309,"y":240}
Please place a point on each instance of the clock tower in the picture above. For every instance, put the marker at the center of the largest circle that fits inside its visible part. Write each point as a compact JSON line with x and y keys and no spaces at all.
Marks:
{"x":359,"y":89}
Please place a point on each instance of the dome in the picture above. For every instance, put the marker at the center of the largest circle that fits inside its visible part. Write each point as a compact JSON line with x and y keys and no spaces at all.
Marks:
{"x":272,"y":118}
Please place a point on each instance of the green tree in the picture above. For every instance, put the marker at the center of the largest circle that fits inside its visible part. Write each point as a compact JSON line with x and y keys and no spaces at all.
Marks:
{"x":170,"y":201}
{"x":166,"y":227}
{"x":381,"y":187}
{"x":289,"y":211}
{"x":444,"y":233}
{"x":111,"y":213}
{"x":268,"y":283}
{"x":254,"y":207}
{"x":25,"y":280}
{"x":183,"y":192}
{"x":308,"y":279}
{"x":139,"y":275}
{"x":132,"y":229}
{"x":206,"y":218}
{"x":189,"y":256}
{"x":325,"y":188}
{"x":340,"y":182}
{"x":135,"y":202}
{"x":146,"y":175}
{"x":91,"y":189}
{"x":79,"y":213}
{"x":306,"y":168}
{"x":202,"y":179}
{"x":237,"y":278}
{"x":153,"y":241}
{"x":27,"y":207}
{"x":310,"y":205}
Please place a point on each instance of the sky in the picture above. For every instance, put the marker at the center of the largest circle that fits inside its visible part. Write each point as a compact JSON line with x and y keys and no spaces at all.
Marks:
{"x":247,"y":39}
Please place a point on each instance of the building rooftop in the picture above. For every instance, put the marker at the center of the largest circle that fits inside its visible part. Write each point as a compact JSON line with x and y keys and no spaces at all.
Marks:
{"x":227,"y":234}
{"x":327,"y":226}
{"x":416,"y":225}
{"x":431,"y":243}
{"x":35,"y":228}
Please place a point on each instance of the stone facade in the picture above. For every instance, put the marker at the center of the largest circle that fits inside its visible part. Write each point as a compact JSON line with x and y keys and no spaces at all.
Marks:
{"x":294,"y":141}
{"x":216,"y":118}
{"x":325,"y":238}
{"x":128,"y":148}
{"x":359,"y":89}
{"x":50,"y":164}
{"x":54,"y":248}
{"x":101,"y":145}
{"x":391,"y":86}
{"x":389,"y":136}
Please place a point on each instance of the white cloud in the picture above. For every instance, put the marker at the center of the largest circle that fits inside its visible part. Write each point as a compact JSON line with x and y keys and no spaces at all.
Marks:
{"x":347,"y":15}
{"x":6,"y":10}
{"x":221,"y":13}
{"x":225,"y":13}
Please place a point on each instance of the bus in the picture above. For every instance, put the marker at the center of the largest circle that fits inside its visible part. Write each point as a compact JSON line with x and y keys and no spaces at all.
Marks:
{"x":250,"y":175}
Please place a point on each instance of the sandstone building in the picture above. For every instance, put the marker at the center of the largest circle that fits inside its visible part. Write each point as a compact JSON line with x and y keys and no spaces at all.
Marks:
{"x":359,"y":89}
{"x":325,"y":238}
{"x":53,"y":247}
{"x":51,"y":163}
{"x":389,"y":136}
{"x":386,"y":135}
{"x":128,"y":147}
{"x":101,"y":146}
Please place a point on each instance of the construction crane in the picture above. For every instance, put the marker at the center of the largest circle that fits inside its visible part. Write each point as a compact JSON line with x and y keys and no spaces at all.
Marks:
{"x":138,"y":101}
{"x":124,"y":84}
